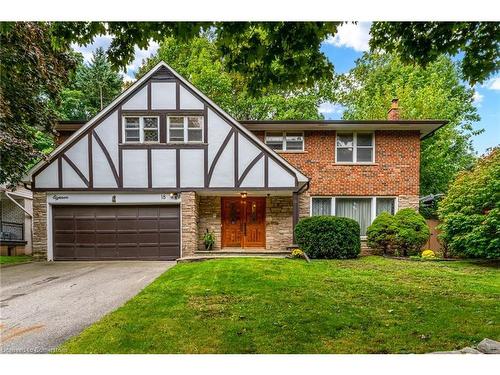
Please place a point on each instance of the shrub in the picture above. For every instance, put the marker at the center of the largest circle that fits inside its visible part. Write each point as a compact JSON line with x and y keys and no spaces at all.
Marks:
{"x":428,"y":254}
{"x":297,"y":253}
{"x":412,"y":231}
{"x":470,"y":211}
{"x":328,"y":237}
{"x":381,"y":234}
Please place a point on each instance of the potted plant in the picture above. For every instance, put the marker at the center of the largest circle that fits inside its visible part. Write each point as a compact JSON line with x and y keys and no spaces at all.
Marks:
{"x":209,"y":240}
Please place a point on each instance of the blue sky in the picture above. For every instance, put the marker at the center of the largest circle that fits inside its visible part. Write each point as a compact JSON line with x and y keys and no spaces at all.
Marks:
{"x":343,"y":49}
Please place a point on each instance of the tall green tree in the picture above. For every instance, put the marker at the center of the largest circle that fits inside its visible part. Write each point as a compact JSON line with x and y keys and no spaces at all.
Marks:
{"x":470,"y":212}
{"x":32,"y":75}
{"x":287,"y":54}
{"x":199,"y":61}
{"x":434,"y":92}
{"x":426,"y":42}
{"x":92,"y":87}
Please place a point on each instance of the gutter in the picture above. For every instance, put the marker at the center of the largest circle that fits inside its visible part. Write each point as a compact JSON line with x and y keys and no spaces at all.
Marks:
{"x":428,"y":135}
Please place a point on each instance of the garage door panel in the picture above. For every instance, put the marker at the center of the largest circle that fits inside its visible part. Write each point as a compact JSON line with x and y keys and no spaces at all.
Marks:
{"x":84,"y":224}
{"x":172,"y":223}
{"x":116,"y":232}
{"x":85,"y":252}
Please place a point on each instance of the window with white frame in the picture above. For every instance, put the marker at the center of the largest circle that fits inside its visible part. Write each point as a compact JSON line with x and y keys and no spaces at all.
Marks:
{"x":186,"y":129}
{"x":362,"y":209}
{"x":140,"y":129}
{"x":285,"y":141}
{"x":354,"y":148}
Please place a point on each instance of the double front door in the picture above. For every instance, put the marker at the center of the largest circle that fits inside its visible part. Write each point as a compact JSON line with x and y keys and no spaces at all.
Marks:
{"x":243,"y":222}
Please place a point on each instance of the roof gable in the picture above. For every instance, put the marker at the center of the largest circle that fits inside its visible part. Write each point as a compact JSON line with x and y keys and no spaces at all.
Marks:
{"x":163,"y":92}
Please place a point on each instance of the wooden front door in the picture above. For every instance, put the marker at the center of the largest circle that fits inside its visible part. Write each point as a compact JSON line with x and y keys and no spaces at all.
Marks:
{"x":243,"y":222}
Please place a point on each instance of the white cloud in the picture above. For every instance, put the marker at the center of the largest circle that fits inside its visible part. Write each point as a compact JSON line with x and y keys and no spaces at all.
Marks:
{"x":477,"y":97}
{"x":104,"y":41}
{"x":355,"y":36}
{"x":493,"y":84}
{"x":329,"y":109}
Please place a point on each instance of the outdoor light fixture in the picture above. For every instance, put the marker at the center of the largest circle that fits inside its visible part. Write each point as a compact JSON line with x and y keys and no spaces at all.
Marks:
{"x":243,"y":195}
{"x":174,"y":195}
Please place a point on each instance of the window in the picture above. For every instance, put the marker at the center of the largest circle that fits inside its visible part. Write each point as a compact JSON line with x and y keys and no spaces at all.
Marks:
{"x":285,"y":141}
{"x":188,"y":129}
{"x":359,"y":209}
{"x":176,"y":129}
{"x":321,"y":206}
{"x":362,"y":209}
{"x":132,"y":129}
{"x":385,"y":205}
{"x":141,"y":129}
{"x":354,"y":148}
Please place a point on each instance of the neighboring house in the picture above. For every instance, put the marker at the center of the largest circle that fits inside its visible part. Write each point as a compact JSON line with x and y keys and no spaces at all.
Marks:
{"x":147,"y":176}
{"x":16,"y":208}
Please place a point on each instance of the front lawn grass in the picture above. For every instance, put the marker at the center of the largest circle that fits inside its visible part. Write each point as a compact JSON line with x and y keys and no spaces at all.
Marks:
{"x":14,"y":259}
{"x":367,"y":305}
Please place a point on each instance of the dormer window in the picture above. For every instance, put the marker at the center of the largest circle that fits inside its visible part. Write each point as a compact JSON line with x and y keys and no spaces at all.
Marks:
{"x":141,"y":129}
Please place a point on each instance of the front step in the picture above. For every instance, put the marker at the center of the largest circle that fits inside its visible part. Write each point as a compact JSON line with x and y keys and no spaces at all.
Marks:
{"x":204,"y":255}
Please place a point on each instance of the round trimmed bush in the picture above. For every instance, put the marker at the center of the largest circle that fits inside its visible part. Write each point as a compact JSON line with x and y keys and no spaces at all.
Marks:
{"x":328,"y":237}
{"x":382,"y":233}
{"x":412,"y":231}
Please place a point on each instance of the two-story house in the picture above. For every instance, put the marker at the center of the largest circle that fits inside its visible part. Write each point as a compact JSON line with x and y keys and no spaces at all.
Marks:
{"x":162,"y":164}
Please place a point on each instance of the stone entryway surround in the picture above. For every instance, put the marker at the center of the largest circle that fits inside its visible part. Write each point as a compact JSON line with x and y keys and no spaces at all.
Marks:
{"x":279,"y":221}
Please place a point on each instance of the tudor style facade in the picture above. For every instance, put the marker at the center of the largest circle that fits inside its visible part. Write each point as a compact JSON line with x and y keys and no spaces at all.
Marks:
{"x":162,"y":164}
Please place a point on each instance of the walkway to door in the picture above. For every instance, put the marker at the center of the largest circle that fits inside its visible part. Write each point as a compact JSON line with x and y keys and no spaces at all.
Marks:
{"x":243,"y":222}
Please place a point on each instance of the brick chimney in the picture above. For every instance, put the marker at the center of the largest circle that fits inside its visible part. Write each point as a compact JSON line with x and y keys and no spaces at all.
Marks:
{"x":393,"y":113}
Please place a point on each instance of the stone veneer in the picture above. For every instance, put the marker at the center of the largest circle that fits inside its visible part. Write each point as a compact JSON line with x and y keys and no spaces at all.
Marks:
{"x":189,"y":221}
{"x":408,"y":201}
{"x":279,"y":222}
{"x":209,"y":211}
{"x":40,"y":225}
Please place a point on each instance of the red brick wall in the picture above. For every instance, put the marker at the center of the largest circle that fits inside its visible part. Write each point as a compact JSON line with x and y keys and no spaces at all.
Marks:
{"x":395,"y":171}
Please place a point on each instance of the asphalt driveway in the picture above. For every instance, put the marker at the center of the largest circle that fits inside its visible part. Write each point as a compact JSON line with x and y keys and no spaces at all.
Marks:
{"x":42,"y":304}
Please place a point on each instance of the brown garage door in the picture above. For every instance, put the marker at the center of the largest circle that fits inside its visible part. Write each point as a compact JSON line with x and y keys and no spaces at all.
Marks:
{"x":116,"y":232}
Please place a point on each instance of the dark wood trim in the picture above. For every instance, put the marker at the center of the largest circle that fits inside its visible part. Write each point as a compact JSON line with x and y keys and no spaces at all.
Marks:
{"x":59,"y":172}
{"x":120,"y":125}
{"x":120,"y":166}
{"x":112,"y":190}
{"x":248,"y":168}
{"x":91,"y":161}
{"x":150,"y":172}
{"x":295,"y":205}
{"x":149,"y":94}
{"x":178,"y":167}
{"x":108,"y":157}
{"x":218,"y":154}
{"x":205,"y":123}
{"x":235,"y":159}
{"x":163,"y":129}
{"x":105,"y":115}
{"x":76,"y":169}
{"x":266,"y":171}
{"x":177,"y":95}
{"x":143,"y":146}
{"x":162,"y":112}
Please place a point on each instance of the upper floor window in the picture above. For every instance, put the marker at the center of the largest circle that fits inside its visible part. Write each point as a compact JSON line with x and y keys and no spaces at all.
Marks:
{"x":187,"y":129}
{"x":354,"y":148}
{"x":285,"y":141}
{"x":141,"y":129}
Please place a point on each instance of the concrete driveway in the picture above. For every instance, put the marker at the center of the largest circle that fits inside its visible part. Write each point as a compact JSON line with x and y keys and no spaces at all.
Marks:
{"x":44,"y":304}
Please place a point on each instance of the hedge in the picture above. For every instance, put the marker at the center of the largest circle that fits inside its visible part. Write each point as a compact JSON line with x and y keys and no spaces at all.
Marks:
{"x":328,"y":237}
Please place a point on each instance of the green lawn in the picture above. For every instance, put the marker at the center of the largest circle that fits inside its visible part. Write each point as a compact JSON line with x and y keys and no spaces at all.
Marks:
{"x":367,"y":305}
{"x":15,"y":259}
